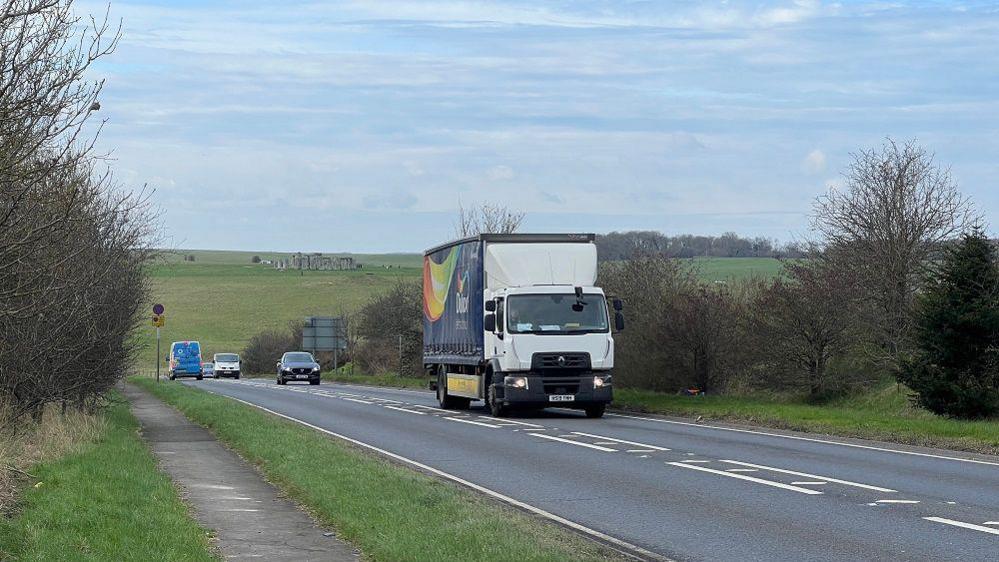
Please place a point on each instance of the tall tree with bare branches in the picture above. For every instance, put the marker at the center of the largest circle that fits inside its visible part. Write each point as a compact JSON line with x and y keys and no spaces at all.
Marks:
{"x":896,"y":209}
{"x":487,"y":218}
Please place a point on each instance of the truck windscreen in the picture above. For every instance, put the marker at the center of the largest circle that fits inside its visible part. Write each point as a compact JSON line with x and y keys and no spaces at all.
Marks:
{"x":556,"y":314}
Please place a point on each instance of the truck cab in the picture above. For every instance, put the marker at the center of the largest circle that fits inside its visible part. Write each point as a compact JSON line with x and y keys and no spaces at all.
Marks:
{"x":517,"y":320}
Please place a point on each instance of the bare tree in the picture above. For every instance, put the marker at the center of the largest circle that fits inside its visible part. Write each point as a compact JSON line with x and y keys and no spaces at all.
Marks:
{"x":801,"y":322}
{"x":897,"y":207}
{"x":487,"y":218}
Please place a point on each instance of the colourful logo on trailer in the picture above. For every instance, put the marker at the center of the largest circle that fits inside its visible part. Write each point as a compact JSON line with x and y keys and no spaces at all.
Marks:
{"x":437,"y":279}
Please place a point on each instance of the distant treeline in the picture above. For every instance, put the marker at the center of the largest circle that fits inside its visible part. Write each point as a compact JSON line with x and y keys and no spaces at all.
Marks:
{"x":615,"y":246}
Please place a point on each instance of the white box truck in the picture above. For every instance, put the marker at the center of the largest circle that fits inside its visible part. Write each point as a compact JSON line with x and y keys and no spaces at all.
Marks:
{"x":517,"y":320}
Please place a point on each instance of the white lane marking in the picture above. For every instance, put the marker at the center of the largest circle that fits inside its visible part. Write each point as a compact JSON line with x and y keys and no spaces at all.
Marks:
{"x":405,"y":410}
{"x":812,"y":439}
{"x":359,"y":401}
{"x":639,"y":451}
{"x":742,"y":470}
{"x":695,"y":460}
{"x":481,"y":489}
{"x":616,"y":440}
{"x":473,"y":422}
{"x":604,"y":443}
{"x":971,"y":526}
{"x":896,"y":501}
{"x":571,"y":442}
{"x":809,"y":483}
{"x":991,"y":523}
{"x":425,"y":407}
{"x":815,"y":476}
{"x":514,"y":422}
{"x":747,"y":478}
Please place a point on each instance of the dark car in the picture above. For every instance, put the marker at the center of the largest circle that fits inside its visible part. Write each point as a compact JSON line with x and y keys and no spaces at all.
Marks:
{"x":297,"y":366}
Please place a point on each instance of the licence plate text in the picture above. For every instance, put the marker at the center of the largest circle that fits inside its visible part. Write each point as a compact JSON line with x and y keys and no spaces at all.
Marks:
{"x":561,"y":398}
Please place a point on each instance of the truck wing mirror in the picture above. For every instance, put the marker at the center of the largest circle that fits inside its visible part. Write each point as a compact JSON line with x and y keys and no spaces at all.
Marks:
{"x":489,"y":322}
{"x":490,"y":305}
{"x":619,"y":321}
{"x":617,"y":304}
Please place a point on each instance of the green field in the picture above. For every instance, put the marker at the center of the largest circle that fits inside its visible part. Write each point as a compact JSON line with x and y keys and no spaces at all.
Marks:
{"x":238,"y":257}
{"x":222,"y":300}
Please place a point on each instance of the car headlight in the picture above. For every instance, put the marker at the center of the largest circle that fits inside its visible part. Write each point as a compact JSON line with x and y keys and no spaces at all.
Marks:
{"x":600,"y":381}
{"x":515,"y":382}
{"x":315,"y":369}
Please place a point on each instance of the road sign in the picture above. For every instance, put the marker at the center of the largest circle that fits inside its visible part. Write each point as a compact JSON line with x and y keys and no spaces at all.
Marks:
{"x":158,"y":309}
{"x":159,"y":320}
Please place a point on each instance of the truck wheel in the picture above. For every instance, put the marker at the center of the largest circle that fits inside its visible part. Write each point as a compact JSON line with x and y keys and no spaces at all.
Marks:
{"x":596,"y":410}
{"x":496,"y":407}
{"x":446,"y":401}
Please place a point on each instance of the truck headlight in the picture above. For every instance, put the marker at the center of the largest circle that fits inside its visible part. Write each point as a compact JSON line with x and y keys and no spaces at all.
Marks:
{"x":601,"y":381}
{"x":515,"y":382}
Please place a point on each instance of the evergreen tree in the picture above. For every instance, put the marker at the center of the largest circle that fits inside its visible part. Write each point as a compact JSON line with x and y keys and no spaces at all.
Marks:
{"x":955,"y":370}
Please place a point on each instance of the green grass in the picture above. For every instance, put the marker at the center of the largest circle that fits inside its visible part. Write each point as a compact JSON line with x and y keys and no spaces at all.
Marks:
{"x":389,"y":512}
{"x":223,"y":306}
{"x":107,"y":501}
{"x":883,"y":414}
{"x":734,"y":269}
{"x":237,"y":257}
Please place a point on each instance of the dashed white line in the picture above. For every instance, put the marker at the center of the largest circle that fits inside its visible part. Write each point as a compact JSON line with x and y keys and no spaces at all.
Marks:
{"x":812,"y":439}
{"x":405,"y":410}
{"x":815,"y":476}
{"x":991,"y":523}
{"x":809,"y":483}
{"x":571,"y":442}
{"x":640,"y":451}
{"x":742,"y":470}
{"x":514,"y":422}
{"x":896,"y":501}
{"x":473,"y":422}
{"x":616,"y":440}
{"x":747,"y":478}
{"x":359,"y":401}
{"x":695,"y":461}
{"x":971,"y":526}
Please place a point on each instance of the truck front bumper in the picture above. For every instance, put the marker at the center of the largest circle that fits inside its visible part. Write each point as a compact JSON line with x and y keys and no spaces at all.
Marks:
{"x":562,"y":392}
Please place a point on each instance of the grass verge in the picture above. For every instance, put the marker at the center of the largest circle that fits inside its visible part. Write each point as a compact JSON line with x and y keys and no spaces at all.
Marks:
{"x":105,"y":500}
{"x":883,"y":414}
{"x":389,"y":512}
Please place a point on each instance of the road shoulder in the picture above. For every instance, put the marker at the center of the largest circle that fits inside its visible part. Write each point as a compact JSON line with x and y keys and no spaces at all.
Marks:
{"x":249,"y":516}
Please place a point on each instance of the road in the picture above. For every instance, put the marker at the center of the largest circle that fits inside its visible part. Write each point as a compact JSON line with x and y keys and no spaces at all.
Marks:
{"x":685,"y":491}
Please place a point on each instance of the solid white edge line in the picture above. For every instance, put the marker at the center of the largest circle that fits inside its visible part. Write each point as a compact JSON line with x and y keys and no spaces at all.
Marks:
{"x":571,"y":442}
{"x":748,"y":478}
{"x":971,"y":526}
{"x":404,"y":410}
{"x":481,"y":489}
{"x":616,"y":440}
{"x":812,"y":439}
{"x":815,"y":476}
{"x":473,"y":422}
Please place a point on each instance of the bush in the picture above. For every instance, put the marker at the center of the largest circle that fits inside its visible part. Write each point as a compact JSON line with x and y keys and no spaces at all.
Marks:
{"x":390,"y":327}
{"x":265,"y":349}
{"x":955,"y":370}
{"x":255,"y":259}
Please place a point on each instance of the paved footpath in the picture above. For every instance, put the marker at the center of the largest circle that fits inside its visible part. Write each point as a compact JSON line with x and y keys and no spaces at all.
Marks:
{"x":250,"y":518}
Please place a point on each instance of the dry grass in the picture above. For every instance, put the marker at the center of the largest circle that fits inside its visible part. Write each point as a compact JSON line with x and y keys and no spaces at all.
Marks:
{"x":55,"y":436}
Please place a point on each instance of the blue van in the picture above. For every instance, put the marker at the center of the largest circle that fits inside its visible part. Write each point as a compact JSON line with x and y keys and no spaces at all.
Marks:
{"x":185,"y":359}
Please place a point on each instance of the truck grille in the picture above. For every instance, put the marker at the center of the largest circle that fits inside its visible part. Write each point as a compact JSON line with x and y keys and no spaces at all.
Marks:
{"x":555,"y":385}
{"x":560,"y":362}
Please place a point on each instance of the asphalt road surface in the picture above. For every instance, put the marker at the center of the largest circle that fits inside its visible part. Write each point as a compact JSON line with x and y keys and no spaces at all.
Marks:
{"x":682,"y":490}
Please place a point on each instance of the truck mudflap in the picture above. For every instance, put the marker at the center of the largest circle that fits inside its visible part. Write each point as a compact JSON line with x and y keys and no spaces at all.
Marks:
{"x":563,"y":392}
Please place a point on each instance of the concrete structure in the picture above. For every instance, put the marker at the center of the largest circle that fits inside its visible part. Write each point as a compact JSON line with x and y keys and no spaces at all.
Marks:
{"x":317,"y":262}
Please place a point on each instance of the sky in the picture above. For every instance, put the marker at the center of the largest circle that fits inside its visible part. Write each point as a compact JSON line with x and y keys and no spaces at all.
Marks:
{"x":362,"y":125}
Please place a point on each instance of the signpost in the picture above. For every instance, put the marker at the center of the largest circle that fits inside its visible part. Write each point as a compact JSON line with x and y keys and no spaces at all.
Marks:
{"x":325,"y":333}
{"x":158,"y":321}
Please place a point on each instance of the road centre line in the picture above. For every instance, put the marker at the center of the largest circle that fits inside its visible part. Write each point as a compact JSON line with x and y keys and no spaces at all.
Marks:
{"x":815,"y":476}
{"x":742,"y":470}
{"x":357,"y":400}
{"x":971,"y":526}
{"x":639,"y":451}
{"x":747,"y":478}
{"x":991,"y":523}
{"x":571,"y":442}
{"x":629,"y":549}
{"x":896,"y":501}
{"x":616,"y":440}
{"x":405,"y":410}
{"x":473,"y":422}
{"x":812,"y":439}
{"x":809,"y":483}
{"x":515,"y":422}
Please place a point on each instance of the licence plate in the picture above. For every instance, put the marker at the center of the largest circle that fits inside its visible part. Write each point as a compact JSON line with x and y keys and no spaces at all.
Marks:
{"x":561,"y":398}
{"x":302,"y":376}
